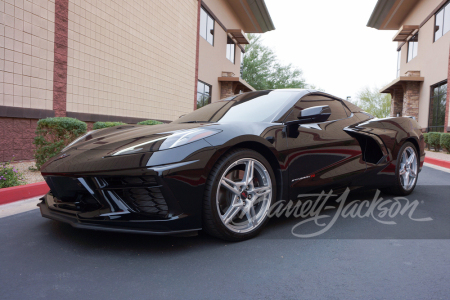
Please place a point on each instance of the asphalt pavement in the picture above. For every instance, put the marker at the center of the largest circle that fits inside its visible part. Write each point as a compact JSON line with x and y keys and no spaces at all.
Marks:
{"x":356,"y":258}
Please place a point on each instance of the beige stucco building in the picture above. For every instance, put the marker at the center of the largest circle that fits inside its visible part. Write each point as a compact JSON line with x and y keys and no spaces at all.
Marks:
{"x":420,"y":86}
{"x":219,"y":59}
{"x":117,"y":60}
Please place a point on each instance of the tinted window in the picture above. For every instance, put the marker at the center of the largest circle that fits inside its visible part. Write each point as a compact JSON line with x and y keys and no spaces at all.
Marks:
{"x":447,"y":18}
{"x":206,"y":26}
{"x":438,"y":101}
{"x":413,"y":46}
{"x":231,"y":50}
{"x":337,"y":109}
{"x":442,"y":22}
{"x":259,"y":106}
{"x":203,"y":94}
{"x":439,"y":25}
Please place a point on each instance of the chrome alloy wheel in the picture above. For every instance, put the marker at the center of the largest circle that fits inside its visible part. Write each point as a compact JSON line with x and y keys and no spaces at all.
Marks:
{"x":408,"y":168}
{"x":244,"y":195}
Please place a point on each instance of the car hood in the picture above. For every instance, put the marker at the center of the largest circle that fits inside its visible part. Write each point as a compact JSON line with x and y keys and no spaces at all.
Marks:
{"x":115,"y":138}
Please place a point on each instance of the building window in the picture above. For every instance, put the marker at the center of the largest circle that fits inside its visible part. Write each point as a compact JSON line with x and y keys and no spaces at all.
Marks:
{"x":241,"y":71}
{"x":413,"y":44}
{"x":206,"y":26}
{"x":203,"y":94}
{"x":399,"y":57}
{"x":442,"y":22}
{"x":231,"y":50}
{"x":438,"y":101}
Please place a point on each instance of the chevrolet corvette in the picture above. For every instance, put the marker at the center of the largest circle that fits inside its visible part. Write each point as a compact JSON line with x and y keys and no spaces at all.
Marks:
{"x":221,"y":167}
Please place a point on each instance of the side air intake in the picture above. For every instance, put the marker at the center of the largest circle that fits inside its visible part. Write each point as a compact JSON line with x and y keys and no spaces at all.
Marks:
{"x":370,"y":148}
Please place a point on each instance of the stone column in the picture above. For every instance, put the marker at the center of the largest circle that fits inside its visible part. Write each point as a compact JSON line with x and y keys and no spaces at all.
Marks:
{"x":226,"y":88}
{"x":411,"y":97}
{"x":60,"y":58}
{"x":397,"y":102}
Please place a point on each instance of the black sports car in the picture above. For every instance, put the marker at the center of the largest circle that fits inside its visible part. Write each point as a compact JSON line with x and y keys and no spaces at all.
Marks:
{"x":220,"y":167}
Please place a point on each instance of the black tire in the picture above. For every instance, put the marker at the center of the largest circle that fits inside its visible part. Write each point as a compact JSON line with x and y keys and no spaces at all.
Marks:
{"x":397,"y":188}
{"x":212,"y":223}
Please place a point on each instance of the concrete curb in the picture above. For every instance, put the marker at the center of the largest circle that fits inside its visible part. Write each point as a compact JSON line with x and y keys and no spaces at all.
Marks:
{"x":17,"y":193}
{"x":438,"y":162}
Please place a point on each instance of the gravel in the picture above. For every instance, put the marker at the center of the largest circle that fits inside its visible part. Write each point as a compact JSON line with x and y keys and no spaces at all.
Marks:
{"x":29,"y":176}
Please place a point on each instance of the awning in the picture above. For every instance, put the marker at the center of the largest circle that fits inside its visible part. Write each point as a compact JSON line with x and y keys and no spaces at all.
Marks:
{"x":237,"y":81}
{"x":398,"y":83}
{"x":238,"y":35}
{"x":405,"y":32}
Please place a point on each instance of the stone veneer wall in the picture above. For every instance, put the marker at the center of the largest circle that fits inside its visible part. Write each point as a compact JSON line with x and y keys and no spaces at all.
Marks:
{"x":16,"y":138}
{"x":411,"y":96}
{"x":132,"y":59}
{"x":226,"y":89}
{"x":411,"y":99}
{"x":397,"y":102}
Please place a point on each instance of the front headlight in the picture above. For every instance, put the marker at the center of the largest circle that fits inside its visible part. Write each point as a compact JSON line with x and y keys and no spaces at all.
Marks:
{"x":77,"y":140}
{"x":169,"y":140}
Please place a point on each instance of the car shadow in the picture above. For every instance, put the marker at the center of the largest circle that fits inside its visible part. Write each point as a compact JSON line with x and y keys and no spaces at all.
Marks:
{"x":277,"y":228}
{"x":140,"y":242}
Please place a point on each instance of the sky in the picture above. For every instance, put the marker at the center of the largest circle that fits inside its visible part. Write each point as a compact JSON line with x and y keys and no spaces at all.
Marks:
{"x":330,"y":42}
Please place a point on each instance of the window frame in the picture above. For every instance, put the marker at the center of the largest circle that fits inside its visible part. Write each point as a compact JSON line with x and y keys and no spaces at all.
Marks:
{"x":414,"y":44}
{"x":432,"y":87}
{"x":208,"y":19}
{"x":399,"y":58}
{"x":203,"y":93}
{"x":445,"y":9}
{"x":231,"y":42}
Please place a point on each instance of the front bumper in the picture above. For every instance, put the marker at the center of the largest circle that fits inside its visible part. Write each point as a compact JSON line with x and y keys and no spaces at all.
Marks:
{"x":155,"y":228}
{"x":154,"y":193}
{"x":158,"y":200}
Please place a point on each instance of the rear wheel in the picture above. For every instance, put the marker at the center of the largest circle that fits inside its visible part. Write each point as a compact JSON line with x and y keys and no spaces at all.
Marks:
{"x":238,"y":195}
{"x":406,"y":171}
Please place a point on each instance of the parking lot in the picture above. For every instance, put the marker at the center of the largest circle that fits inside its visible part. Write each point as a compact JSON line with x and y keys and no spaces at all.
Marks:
{"x":356,"y":258}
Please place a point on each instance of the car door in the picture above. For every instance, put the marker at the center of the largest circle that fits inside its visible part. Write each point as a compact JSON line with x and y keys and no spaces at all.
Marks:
{"x":322,"y":156}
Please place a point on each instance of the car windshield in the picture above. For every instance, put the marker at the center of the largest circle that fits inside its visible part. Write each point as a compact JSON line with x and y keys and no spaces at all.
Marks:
{"x":259,"y":106}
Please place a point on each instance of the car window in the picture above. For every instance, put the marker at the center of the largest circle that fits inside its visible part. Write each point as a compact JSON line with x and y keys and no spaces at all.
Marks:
{"x":259,"y":106}
{"x":337,"y":109}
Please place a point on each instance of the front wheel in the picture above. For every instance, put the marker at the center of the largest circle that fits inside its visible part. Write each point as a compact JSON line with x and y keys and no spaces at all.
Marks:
{"x":406,"y":171}
{"x":238,"y":195}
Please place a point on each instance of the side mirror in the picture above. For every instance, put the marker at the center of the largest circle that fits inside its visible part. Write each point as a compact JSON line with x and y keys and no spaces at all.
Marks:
{"x":313,"y":114}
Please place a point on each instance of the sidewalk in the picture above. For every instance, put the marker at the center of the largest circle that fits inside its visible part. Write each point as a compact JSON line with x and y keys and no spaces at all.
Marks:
{"x":438,"y":155}
{"x":438,"y":160}
{"x":18,"y":207}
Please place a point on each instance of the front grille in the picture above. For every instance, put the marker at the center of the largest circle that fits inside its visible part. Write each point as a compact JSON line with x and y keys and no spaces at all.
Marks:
{"x":141,"y":193}
{"x":71,"y":195}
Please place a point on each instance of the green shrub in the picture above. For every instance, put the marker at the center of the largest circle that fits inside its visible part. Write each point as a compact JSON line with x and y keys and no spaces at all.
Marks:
{"x":425,"y":139}
{"x":445,"y":141}
{"x":434,"y":140}
{"x":9,"y":176}
{"x":150,"y":122}
{"x":53,"y":134}
{"x":100,"y":125}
